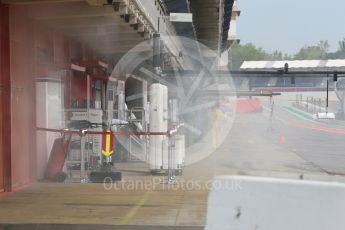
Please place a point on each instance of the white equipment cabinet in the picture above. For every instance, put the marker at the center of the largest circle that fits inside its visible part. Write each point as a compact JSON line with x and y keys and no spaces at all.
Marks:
{"x":157,"y":124}
{"x":49,"y":114}
{"x":162,"y":150}
{"x":179,"y":151}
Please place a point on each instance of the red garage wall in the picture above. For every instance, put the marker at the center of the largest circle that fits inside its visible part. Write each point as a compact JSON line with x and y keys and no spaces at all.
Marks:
{"x":35,"y":51}
{"x":5,"y":97}
{"x":23,"y":97}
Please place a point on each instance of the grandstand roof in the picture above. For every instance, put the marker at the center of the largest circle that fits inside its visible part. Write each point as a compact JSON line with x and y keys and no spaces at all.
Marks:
{"x":296,"y":64}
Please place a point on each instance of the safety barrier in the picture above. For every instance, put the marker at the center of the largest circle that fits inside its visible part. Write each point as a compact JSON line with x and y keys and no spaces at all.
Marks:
{"x":247,"y":105}
{"x":117,"y":133}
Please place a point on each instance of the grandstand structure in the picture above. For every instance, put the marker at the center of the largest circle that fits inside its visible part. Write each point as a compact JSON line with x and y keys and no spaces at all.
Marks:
{"x":309,"y":80}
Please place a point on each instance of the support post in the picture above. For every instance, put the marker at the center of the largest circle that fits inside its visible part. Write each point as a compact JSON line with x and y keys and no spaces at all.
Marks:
{"x":82,"y":159}
{"x":327,"y":96}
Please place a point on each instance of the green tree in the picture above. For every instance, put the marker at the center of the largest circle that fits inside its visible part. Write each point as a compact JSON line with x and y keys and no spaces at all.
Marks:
{"x":277,"y":55}
{"x":340,"y":53}
{"x":308,"y":53}
{"x":287,"y":57}
{"x":324,"y":46}
{"x":319,"y":51}
{"x":342,"y":46}
{"x":247,"y":52}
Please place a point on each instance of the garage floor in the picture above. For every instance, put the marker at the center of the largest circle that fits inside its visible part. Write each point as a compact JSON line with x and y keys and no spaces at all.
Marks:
{"x":140,"y":200}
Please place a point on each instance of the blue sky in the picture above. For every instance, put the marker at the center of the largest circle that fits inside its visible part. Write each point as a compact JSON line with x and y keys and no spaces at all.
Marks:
{"x":287,"y":25}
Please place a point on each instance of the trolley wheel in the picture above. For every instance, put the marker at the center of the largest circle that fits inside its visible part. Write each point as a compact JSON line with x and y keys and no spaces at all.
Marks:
{"x":60,"y":177}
